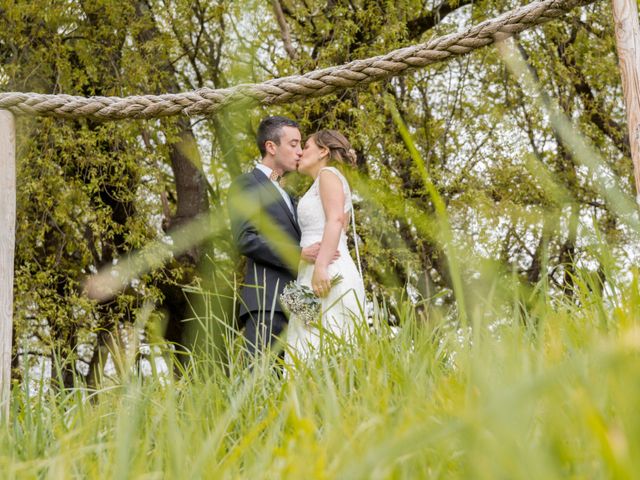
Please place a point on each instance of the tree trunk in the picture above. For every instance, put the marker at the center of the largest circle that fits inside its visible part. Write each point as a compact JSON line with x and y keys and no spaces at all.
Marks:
{"x":191,"y":190}
{"x":625,"y":14}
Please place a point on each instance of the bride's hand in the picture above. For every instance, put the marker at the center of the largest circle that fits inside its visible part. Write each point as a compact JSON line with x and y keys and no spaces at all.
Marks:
{"x":320,"y":282}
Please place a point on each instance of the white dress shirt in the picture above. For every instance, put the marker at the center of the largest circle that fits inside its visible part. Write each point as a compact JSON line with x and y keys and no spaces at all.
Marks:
{"x":267,"y":171}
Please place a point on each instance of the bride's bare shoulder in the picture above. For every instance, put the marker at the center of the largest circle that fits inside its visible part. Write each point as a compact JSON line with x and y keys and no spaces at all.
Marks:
{"x":334,"y":173}
{"x":330,"y":175}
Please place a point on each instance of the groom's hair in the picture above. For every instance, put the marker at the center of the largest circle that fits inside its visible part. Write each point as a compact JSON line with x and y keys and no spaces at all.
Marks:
{"x":270,"y":129}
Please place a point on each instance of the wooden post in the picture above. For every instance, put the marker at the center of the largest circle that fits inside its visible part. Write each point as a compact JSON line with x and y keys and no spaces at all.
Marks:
{"x":7,"y":245}
{"x":625,"y":16}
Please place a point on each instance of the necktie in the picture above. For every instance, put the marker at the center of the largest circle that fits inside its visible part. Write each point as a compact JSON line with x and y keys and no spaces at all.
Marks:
{"x":279,"y":179}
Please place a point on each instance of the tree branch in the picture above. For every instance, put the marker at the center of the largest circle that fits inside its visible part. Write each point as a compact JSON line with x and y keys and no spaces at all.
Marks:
{"x":284,"y":29}
{"x":421,"y":24}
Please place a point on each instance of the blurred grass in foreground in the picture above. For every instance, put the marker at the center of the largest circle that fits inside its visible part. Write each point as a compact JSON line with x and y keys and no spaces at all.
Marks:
{"x":508,"y":400}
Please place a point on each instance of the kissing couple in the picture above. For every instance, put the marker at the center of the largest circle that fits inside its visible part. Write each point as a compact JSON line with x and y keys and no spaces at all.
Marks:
{"x":303,"y":242}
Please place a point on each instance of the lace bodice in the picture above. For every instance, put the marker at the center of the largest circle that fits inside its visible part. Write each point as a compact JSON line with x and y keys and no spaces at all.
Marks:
{"x":311,"y":216}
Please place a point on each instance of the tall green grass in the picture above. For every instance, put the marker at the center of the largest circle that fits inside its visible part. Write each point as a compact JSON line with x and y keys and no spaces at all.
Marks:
{"x":506,"y":399}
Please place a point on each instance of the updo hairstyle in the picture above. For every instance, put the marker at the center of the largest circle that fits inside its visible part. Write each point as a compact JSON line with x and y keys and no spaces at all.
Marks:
{"x":340,"y":150}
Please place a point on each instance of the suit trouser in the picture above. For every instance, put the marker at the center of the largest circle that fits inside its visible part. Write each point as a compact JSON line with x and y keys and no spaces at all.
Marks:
{"x":262,"y":329}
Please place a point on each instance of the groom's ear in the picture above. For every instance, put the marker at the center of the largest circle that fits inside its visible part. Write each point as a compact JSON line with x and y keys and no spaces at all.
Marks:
{"x":270,"y":147}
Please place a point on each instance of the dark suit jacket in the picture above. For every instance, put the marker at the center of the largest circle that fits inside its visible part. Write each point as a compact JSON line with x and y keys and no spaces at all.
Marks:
{"x":267,"y":233}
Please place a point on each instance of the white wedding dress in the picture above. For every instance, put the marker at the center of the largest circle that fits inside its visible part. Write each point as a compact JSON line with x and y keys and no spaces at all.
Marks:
{"x":343,"y":307}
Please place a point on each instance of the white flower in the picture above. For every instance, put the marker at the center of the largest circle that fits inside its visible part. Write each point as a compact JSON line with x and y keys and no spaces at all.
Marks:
{"x":301,"y":301}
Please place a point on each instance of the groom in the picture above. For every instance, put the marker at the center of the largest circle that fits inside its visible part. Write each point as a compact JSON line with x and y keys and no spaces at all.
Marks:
{"x":266,"y":231}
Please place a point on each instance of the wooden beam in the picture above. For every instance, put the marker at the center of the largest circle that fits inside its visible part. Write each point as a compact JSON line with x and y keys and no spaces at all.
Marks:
{"x":625,"y":16}
{"x":7,"y":246}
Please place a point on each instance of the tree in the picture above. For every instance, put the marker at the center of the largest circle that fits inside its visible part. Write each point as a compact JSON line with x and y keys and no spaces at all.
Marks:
{"x":91,"y":192}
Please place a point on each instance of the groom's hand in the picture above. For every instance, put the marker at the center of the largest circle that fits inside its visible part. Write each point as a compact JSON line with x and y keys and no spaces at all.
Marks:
{"x":310,"y":253}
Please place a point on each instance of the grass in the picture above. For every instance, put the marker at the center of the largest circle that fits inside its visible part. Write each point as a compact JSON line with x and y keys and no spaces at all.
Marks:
{"x":511,"y":399}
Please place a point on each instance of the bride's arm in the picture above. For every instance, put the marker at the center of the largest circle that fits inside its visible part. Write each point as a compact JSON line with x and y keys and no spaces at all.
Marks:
{"x":332,"y":197}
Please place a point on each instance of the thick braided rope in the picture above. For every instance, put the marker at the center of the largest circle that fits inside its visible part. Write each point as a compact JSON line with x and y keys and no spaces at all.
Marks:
{"x":296,"y":87}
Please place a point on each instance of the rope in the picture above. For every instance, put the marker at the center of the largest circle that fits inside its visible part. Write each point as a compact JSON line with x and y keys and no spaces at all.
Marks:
{"x":207,"y":101}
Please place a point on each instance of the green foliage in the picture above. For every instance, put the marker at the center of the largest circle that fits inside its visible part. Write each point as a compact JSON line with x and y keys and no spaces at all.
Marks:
{"x":512,"y":189}
{"x":515,"y":197}
{"x":87,"y":192}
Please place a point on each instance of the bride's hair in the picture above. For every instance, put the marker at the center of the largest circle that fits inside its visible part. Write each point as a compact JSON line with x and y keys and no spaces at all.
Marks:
{"x":340,"y":150}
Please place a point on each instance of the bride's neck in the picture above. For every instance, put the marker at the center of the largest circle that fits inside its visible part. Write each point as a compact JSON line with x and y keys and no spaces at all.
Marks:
{"x":316,"y":171}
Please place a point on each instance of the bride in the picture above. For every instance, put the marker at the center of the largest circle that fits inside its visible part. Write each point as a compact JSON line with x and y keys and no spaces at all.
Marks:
{"x":324,"y":214}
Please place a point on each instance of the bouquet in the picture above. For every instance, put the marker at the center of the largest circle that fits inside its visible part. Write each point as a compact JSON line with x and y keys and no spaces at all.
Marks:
{"x":301,"y":301}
